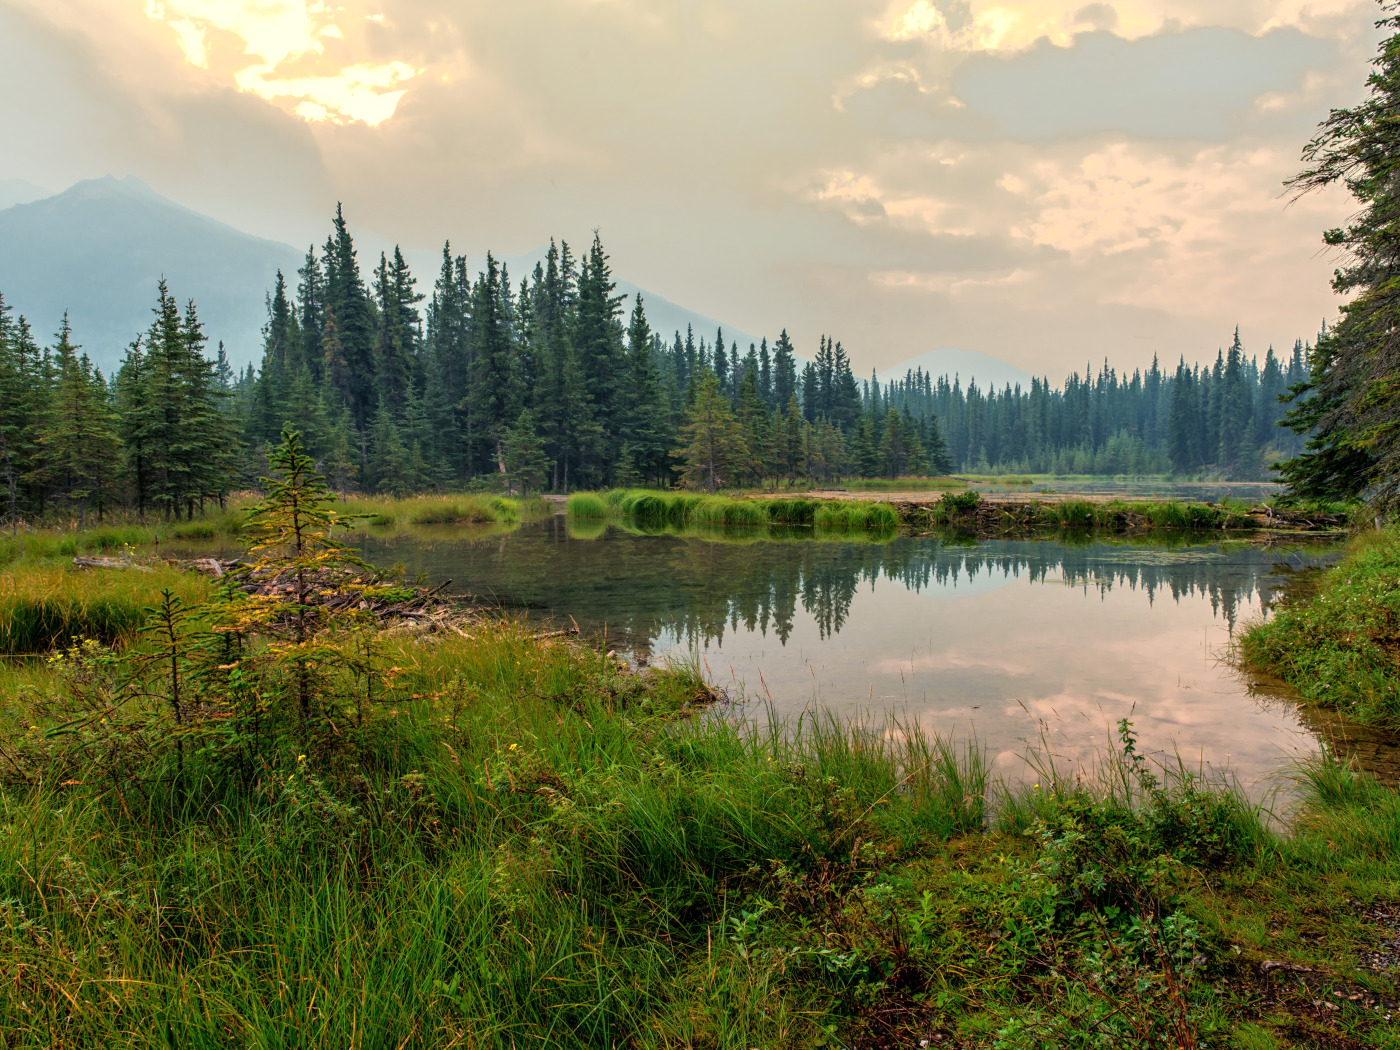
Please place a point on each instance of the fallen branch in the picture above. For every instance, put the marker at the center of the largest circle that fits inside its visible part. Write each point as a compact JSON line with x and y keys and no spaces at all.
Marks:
{"x":110,"y":563}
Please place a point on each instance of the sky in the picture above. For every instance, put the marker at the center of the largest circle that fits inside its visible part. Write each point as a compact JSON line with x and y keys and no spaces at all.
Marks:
{"x":1047,"y":182}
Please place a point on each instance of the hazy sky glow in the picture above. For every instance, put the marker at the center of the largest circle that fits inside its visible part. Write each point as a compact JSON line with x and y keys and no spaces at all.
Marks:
{"x":1044,"y":181}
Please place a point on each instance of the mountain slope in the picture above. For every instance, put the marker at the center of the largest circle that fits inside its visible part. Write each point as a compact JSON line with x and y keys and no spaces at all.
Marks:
{"x":98,"y":249}
{"x":19,"y":191}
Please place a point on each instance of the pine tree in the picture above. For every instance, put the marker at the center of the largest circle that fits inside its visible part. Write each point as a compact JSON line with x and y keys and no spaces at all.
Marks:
{"x":784,"y":371}
{"x":712,"y":445}
{"x":493,"y":397}
{"x":527,"y":465}
{"x":647,"y":436}
{"x":1351,"y":400}
{"x":21,"y":396}
{"x":346,"y":297}
{"x":78,"y":438}
{"x":597,"y":339}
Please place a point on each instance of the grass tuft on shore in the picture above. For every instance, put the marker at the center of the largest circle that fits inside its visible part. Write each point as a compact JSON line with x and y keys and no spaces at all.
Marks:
{"x":656,"y":507}
{"x":1338,"y":645}
{"x":43,"y":607}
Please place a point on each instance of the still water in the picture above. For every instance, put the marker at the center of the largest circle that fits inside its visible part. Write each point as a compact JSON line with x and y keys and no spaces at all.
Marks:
{"x":1007,"y":641}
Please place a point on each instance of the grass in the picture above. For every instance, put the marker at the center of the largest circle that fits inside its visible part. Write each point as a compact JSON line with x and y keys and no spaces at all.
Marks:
{"x":1113,"y":515}
{"x":551,"y":852}
{"x":655,"y":507}
{"x":46,"y":544}
{"x":1338,"y":646}
{"x":46,"y":606}
{"x":525,"y":843}
{"x":387,"y":512}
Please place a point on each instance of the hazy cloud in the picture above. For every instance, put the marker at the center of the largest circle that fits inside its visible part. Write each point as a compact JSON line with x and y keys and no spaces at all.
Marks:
{"x":1040,"y":180}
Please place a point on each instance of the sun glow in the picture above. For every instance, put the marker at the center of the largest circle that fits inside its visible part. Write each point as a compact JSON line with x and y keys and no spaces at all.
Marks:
{"x":281,"y":53}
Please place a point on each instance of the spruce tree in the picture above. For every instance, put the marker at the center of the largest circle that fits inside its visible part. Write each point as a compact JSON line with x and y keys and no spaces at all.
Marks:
{"x":527,"y":465}
{"x":78,"y":439}
{"x":713,"y":448}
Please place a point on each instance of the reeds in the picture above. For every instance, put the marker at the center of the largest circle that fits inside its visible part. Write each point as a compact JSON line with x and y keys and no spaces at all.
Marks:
{"x":654,"y":507}
{"x":44,"y":607}
{"x":468,"y":509}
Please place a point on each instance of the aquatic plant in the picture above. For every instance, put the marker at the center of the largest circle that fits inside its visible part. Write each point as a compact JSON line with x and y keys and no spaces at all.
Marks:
{"x":586,"y":505}
{"x":645,"y":506}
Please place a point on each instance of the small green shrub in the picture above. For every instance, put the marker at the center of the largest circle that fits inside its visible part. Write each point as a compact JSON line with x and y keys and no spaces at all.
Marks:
{"x":956,"y":504}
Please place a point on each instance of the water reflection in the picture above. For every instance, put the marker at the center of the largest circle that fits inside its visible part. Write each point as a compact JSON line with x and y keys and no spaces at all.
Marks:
{"x":1008,"y":640}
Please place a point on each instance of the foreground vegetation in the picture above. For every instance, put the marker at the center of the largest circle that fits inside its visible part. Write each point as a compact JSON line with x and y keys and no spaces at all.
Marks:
{"x":522,"y":842}
{"x":1338,"y":645}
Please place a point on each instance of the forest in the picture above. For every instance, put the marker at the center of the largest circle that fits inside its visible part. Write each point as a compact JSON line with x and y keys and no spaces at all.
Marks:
{"x":555,"y":384}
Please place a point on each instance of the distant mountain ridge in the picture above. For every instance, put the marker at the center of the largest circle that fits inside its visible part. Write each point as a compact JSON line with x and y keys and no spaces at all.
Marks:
{"x":20,"y":191}
{"x":97,"y":250}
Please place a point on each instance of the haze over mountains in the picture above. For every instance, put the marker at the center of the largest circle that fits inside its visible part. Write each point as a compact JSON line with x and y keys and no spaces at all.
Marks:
{"x":97,"y":249}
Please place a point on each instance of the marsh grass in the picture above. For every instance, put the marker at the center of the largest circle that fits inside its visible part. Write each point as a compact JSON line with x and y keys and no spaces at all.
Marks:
{"x":1338,"y":647}
{"x":541,"y":849}
{"x":516,"y":841}
{"x":387,"y":512}
{"x":50,"y":544}
{"x":654,"y":508}
{"x":536,"y":846}
{"x":43,"y":607}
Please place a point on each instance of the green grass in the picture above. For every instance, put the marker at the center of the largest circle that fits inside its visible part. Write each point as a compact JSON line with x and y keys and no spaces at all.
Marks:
{"x":653,"y":507}
{"x":388,"y":512}
{"x":50,"y":543}
{"x":552,"y":851}
{"x":1338,"y":647}
{"x":586,"y":505}
{"x":1111,"y":515}
{"x":46,"y":606}
{"x":526,"y":844}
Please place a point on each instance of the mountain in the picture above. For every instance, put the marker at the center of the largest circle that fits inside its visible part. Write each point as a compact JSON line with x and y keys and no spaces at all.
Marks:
{"x":965,"y":364}
{"x":19,"y":191}
{"x":97,"y":250}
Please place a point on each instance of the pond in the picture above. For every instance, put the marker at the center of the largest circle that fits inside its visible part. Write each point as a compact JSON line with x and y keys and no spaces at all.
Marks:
{"x":1010,"y":642}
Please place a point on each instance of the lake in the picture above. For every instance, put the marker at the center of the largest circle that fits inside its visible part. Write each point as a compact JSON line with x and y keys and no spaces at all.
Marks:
{"x":1013,"y":642}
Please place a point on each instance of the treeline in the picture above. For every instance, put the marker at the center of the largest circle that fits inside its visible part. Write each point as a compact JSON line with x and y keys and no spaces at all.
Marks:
{"x":158,"y":435}
{"x":1220,"y":419}
{"x":554,"y":384}
{"x":549,"y":383}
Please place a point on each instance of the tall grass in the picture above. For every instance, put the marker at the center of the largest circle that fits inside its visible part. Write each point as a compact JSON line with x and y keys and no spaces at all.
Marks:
{"x":546,"y":855}
{"x":43,"y":607}
{"x":1337,"y":647}
{"x":652,"y":507}
{"x":536,"y":847}
{"x":48,"y":544}
{"x":588,"y":505}
{"x":387,"y":512}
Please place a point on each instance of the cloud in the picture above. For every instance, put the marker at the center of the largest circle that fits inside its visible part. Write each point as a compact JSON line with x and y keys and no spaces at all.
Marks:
{"x":87,"y":90}
{"x":1003,"y":26}
{"x":1196,"y":84}
{"x":287,"y":54}
{"x":903,"y":174}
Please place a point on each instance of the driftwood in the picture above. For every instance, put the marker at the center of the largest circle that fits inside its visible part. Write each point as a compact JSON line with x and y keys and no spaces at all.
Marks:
{"x":110,"y":563}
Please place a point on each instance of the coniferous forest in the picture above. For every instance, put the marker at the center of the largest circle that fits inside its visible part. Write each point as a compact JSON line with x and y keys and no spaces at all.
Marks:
{"x":557,"y":383}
